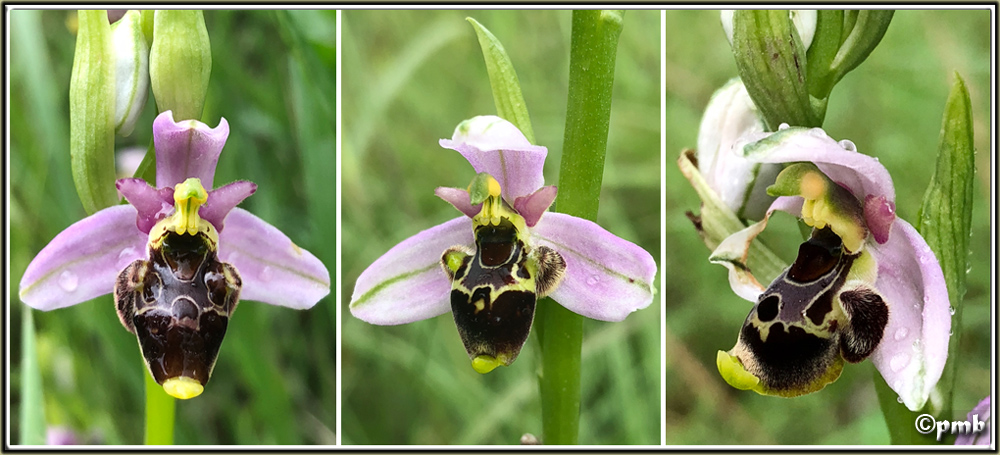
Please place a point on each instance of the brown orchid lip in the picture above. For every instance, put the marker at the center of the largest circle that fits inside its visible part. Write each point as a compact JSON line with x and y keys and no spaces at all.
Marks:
{"x":178,"y":305}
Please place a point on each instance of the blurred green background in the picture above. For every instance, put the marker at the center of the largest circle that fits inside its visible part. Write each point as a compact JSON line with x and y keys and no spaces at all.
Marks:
{"x":891,"y":107}
{"x":408,"y":79}
{"x":273,"y":79}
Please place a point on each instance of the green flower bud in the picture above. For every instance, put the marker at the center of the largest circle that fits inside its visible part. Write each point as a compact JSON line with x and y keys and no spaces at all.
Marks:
{"x":804,"y":20}
{"x":791,"y":79}
{"x":131,"y":54}
{"x":180,"y":62}
{"x":771,"y":61}
{"x":91,"y":112}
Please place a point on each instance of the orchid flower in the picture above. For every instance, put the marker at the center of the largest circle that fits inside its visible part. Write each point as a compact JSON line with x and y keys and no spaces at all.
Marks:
{"x":178,"y":258}
{"x":503,"y":253}
{"x":864,"y":285}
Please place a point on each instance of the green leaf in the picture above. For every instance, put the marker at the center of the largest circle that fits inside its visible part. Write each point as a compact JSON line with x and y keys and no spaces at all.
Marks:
{"x":771,"y":61}
{"x":945,"y":218}
{"x":92,"y":111}
{"x":32,"y":405}
{"x":944,"y":221}
{"x":503,"y":80}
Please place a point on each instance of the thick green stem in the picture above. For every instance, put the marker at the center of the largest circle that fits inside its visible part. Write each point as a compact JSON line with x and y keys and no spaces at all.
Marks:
{"x":160,"y":409}
{"x":561,"y":335}
{"x":592,"y":67}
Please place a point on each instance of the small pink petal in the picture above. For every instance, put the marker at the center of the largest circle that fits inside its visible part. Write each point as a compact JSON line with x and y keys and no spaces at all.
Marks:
{"x":879,"y":216}
{"x":495,"y":146}
{"x":274,"y":270}
{"x":913,"y":351}
{"x":222,"y":200}
{"x":407,"y":283}
{"x":186,"y":149}
{"x":152,"y":204}
{"x":458,"y":198}
{"x":83,"y":261}
{"x":607,"y":277}
{"x":532,"y":206}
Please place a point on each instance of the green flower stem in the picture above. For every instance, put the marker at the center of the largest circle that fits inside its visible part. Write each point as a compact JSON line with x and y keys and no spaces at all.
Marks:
{"x":588,"y":113}
{"x":160,"y":409}
{"x":147,"y":167}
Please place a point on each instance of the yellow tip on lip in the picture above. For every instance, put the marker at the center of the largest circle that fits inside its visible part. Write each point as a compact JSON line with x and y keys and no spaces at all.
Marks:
{"x":182,"y":387}
{"x":484,"y":364}
{"x":733,"y":372}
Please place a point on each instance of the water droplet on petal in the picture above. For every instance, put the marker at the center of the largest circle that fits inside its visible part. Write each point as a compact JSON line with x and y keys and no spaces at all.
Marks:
{"x":901,"y":333}
{"x":899,"y":399}
{"x":267,"y":274}
{"x":951,"y":310}
{"x":916,"y":345}
{"x":592,"y":280}
{"x":951,"y":333}
{"x":817,"y":132}
{"x":68,"y":281}
{"x":898,"y":362}
{"x":848,"y":145}
{"x":783,"y":126}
